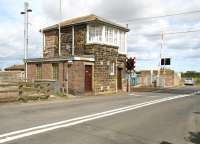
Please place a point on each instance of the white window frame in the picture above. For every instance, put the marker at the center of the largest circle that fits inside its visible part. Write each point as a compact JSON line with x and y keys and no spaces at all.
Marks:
{"x":122,"y":42}
{"x":96,"y":39}
{"x":112,"y":68}
{"x":44,"y":41}
{"x":105,"y":40}
{"x":115,"y":36}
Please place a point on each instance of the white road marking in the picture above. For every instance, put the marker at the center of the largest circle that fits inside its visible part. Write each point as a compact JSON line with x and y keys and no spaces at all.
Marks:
{"x":70,"y":122}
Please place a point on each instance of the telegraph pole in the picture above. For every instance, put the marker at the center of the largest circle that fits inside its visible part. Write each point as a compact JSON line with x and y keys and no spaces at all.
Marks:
{"x":59,"y":27}
{"x":161,"y":50}
{"x":26,"y":39}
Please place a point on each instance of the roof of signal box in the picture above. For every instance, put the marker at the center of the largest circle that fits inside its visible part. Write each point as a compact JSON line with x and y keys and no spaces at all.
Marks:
{"x":85,"y":20}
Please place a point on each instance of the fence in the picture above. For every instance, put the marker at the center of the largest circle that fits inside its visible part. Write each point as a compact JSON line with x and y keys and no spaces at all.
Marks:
{"x":10,"y":76}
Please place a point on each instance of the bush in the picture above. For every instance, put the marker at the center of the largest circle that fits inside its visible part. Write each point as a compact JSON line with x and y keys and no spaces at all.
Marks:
{"x":198,"y":81}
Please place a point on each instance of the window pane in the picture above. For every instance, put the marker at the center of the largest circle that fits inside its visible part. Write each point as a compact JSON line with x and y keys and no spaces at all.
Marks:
{"x":39,"y":71}
{"x":106,"y":34}
{"x":115,"y":36}
{"x":55,"y":71}
{"x":95,"y":33}
{"x":122,"y":42}
{"x":110,"y":35}
{"x":98,"y":33}
{"x":112,"y":68}
{"x":91,"y":33}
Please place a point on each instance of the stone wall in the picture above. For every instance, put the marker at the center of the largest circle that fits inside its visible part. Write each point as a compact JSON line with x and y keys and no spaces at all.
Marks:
{"x":66,"y":41}
{"x":80,"y":39}
{"x":104,"y":57}
{"x":51,"y":44}
{"x":51,"y":41}
{"x":121,"y":64}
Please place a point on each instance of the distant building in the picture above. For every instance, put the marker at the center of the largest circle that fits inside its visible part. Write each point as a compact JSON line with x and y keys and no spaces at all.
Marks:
{"x":167,"y":78}
{"x":12,"y":73}
{"x":91,"y":58}
{"x":17,"y":67}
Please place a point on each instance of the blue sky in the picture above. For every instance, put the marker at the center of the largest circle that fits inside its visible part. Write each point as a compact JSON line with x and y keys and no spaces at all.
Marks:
{"x":183,"y":49}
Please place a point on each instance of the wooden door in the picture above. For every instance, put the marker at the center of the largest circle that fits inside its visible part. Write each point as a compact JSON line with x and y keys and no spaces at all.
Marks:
{"x":119,"y":78}
{"x":88,"y":78}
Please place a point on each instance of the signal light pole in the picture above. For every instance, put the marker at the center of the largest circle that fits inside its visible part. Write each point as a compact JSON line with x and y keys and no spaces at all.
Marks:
{"x":130,"y":68}
{"x":26,"y":40}
{"x":159,"y":65}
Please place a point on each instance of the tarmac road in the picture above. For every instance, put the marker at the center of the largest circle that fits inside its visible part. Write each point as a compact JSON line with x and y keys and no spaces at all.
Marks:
{"x":133,"y":120}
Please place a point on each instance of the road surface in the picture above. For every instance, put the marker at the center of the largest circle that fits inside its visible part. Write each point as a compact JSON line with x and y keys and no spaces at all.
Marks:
{"x":170,"y":116}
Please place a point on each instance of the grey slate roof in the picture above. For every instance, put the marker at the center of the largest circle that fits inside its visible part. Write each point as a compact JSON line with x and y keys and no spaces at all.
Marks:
{"x":85,"y":19}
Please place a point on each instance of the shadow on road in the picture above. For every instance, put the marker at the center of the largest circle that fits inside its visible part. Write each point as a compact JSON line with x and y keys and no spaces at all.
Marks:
{"x":165,"y":142}
{"x":194,"y":137}
{"x":173,"y":91}
{"x":197,"y":113}
{"x":183,"y":90}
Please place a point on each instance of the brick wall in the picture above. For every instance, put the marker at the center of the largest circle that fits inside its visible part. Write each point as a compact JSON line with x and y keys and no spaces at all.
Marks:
{"x":31,"y":71}
{"x":46,"y":71}
{"x":76,"y":78}
{"x":168,"y":78}
{"x":76,"y":75}
{"x":145,"y":78}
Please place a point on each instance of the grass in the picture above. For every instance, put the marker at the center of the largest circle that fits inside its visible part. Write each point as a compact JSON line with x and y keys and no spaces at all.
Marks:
{"x":60,"y":94}
{"x":198,"y":81}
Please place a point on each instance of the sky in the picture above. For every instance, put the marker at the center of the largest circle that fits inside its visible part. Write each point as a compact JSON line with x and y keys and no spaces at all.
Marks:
{"x":144,"y":38}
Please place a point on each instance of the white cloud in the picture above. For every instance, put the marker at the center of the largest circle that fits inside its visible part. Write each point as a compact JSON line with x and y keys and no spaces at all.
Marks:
{"x":145,"y":47}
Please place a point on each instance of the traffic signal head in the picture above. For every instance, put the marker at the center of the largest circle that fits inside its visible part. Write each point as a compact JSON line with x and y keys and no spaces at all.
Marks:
{"x":130,"y":64}
{"x":162,"y":61}
{"x":133,"y":63}
{"x":165,"y":61}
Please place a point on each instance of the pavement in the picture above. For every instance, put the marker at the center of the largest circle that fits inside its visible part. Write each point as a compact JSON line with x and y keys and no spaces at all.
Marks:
{"x":169,"y":115}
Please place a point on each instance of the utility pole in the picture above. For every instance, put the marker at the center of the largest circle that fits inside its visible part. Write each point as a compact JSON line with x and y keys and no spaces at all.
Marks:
{"x":59,"y":27}
{"x":26,"y":39}
{"x":161,"y":50}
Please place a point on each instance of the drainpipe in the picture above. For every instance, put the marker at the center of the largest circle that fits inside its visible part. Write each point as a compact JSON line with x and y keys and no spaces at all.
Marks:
{"x":43,"y":41}
{"x":59,"y":28}
{"x":67,"y":78}
{"x":116,"y":68}
{"x":59,"y":39}
{"x":72,"y":40}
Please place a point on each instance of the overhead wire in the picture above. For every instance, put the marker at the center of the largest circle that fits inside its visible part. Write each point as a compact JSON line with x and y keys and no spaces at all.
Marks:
{"x":161,"y":16}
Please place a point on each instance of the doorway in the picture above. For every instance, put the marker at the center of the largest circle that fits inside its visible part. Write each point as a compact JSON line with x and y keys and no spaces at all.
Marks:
{"x":88,"y":78}
{"x":119,"y":78}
